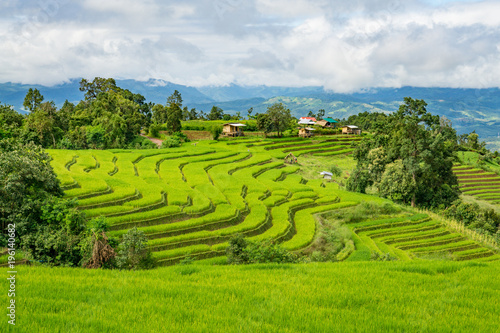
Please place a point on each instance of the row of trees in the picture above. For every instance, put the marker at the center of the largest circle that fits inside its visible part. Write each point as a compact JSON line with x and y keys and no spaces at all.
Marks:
{"x":108,"y":117}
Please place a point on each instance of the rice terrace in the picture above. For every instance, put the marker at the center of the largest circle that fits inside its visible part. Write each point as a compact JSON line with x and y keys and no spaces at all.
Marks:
{"x":250,"y":166}
{"x":190,"y":201}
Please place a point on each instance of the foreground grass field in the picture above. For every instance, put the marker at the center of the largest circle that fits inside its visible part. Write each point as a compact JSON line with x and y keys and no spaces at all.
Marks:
{"x":424,"y":296}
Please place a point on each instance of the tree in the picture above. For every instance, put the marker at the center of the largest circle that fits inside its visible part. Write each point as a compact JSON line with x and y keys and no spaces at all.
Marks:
{"x":320,"y":114}
{"x":311,"y":114}
{"x":133,"y":252}
{"x":249,"y":111}
{"x":264,"y":123}
{"x":97,"y":86}
{"x":55,"y":238}
{"x":216,"y":113}
{"x":193,"y":115}
{"x":10,"y":122}
{"x":174,"y":116}
{"x":26,"y":181}
{"x":175,"y":98}
{"x":159,"y":114}
{"x":409,"y":159}
{"x":279,"y":116}
{"x":33,"y":99}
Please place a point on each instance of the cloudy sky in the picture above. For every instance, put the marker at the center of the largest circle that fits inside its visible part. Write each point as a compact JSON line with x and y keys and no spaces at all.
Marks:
{"x":341,"y":45}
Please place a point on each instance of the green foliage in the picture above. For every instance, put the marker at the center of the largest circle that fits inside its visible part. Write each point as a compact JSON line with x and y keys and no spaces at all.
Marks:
{"x":216,"y":113}
{"x":133,"y":252}
{"x":279,"y":117}
{"x":472,"y":216}
{"x":216,"y":131}
{"x":33,"y":99}
{"x":409,"y":159}
{"x":171,"y":142}
{"x":375,"y":256}
{"x":154,"y":130}
{"x":97,"y":86}
{"x":336,"y":170}
{"x":55,"y":238}
{"x":243,"y":251}
{"x":26,"y":181}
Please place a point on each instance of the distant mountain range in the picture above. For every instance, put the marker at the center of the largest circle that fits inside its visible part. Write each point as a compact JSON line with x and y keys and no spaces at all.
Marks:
{"x":468,"y":109}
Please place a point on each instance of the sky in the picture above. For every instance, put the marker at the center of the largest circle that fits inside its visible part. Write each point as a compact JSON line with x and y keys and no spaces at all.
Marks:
{"x":344,"y":46}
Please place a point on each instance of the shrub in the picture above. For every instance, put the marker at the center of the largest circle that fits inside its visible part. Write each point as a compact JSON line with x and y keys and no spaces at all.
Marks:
{"x":375,"y":256}
{"x":216,"y":131}
{"x":133,"y":252}
{"x":96,"y":248}
{"x":154,"y":130}
{"x":337,"y":172}
{"x":181,"y":137}
{"x":170,"y":143}
{"x":242,"y":251}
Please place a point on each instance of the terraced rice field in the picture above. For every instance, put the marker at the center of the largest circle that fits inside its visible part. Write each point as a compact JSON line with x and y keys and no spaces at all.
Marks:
{"x":190,"y":201}
{"x":415,"y":236}
{"x":479,"y":183}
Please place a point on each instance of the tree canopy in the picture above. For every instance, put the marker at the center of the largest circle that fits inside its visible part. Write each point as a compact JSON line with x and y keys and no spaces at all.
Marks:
{"x":409,"y":158}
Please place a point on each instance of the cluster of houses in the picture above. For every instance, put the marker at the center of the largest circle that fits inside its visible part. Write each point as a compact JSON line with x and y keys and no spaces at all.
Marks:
{"x":305,"y":129}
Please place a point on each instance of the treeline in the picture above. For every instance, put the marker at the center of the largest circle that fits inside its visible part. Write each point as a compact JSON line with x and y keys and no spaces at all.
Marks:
{"x":107,"y":117}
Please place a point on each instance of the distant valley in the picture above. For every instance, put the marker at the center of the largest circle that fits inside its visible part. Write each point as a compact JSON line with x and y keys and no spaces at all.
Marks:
{"x":468,"y":109}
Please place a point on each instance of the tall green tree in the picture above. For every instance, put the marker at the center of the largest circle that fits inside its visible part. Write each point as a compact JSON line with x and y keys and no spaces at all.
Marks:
{"x":26,"y":181}
{"x":280,"y":117}
{"x":409,"y":158}
{"x":95,"y":87}
{"x":216,"y":113}
{"x":174,"y":112}
{"x":33,"y":99}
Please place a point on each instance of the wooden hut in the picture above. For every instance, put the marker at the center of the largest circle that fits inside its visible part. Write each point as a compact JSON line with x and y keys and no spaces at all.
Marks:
{"x":326,"y":175}
{"x":306,"y":132}
{"x":327,"y":122}
{"x":232,"y":129}
{"x":351,"y":129}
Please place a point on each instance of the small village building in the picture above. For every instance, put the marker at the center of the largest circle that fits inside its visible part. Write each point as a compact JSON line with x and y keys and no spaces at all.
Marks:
{"x":351,"y":129}
{"x":326,"y":175}
{"x":327,"y":123}
{"x":233,"y":129}
{"x":306,"y":132}
{"x":308,"y":118}
{"x":309,"y":122}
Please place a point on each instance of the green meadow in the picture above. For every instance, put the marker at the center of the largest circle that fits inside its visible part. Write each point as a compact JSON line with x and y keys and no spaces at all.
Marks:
{"x":425,"y":296}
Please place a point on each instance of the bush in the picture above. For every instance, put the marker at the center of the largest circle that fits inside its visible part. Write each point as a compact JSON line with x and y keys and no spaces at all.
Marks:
{"x":216,"y":131}
{"x":337,"y":172}
{"x":375,"y":256}
{"x":133,"y":252}
{"x":181,"y":137}
{"x":154,"y":130}
{"x":170,"y":143}
{"x":242,"y":251}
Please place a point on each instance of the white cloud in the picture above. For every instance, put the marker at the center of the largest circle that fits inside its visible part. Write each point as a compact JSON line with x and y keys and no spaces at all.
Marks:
{"x":344,"y":46}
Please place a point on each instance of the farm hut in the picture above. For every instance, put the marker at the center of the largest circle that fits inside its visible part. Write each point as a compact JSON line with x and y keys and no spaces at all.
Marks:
{"x":327,"y":122}
{"x":232,"y":129}
{"x":306,"y":122}
{"x":326,"y":175}
{"x":306,"y":132}
{"x":351,"y":129}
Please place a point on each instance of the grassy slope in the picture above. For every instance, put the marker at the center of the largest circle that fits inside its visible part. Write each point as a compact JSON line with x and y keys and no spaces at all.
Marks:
{"x":343,"y":297}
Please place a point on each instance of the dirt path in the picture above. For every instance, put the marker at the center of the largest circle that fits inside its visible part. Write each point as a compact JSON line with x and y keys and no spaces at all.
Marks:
{"x":154,"y":140}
